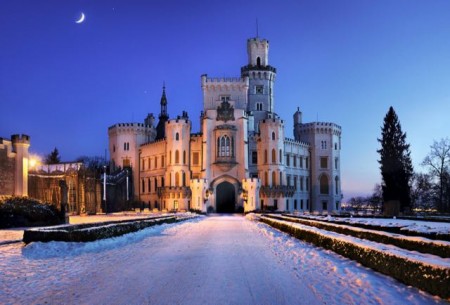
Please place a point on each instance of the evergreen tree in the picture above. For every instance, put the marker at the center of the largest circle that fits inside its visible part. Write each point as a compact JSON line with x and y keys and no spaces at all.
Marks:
{"x":53,"y":157}
{"x":395,"y":162}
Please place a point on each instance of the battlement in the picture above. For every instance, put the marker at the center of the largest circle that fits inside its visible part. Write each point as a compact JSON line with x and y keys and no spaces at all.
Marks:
{"x":295,"y":142}
{"x":272,"y":120}
{"x":320,"y":127}
{"x":249,"y":68}
{"x":130,"y":125}
{"x":22,"y":139}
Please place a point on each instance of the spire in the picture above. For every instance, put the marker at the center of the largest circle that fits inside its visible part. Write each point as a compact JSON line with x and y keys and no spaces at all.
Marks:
{"x":163,"y":102}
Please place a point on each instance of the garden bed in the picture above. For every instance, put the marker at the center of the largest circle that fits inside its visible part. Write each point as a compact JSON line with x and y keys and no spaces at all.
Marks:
{"x":424,"y":271}
{"x":95,"y":231}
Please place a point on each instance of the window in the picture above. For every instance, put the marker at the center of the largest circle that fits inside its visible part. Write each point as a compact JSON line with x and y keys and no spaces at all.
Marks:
{"x":281,"y":156}
{"x":273,"y":135}
{"x":254,"y":157}
{"x":324,"y":184}
{"x":265,"y":156}
{"x":323,"y":162}
{"x":149,"y":185}
{"x":184,"y":157}
{"x":177,"y":179}
{"x":274,"y":157}
{"x":301,"y":183}
{"x":259,"y":89}
{"x":324,"y":144}
{"x":177,"y":136}
{"x":156,"y":162}
{"x":294,"y":158}
{"x":126,"y":146}
{"x":336,"y":180}
{"x":287,"y":205}
{"x":295,"y":182}
{"x":301,"y":162}
{"x":275,"y":204}
{"x":307,"y":204}
{"x":306,"y":162}
{"x":183,"y":178}
{"x":335,"y":146}
{"x":225,"y":146}
{"x":324,"y":205}
{"x":259,"y":106}
{"x":177,"y":156}
{"x":288,"y":180}
{"x":307,"y":183}
{"x":274,"y":177}
{"x":162,"y":182}
{"x":258,"y":61}
{"x":288,"y":160}
{"x":281,"y":178}
{"x":143,"y":186}
{"x":301,"y":204}
{"x":266,"y":179}
{"x":143,"y":164}
{"x":170,"y":157}
{"x":162,"y":161}
{"x":195,"y":157}
{"x":295,"y":204}
{"x":335,"y":163}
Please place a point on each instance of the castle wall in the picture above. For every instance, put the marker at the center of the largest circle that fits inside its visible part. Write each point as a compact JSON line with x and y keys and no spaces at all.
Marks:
{"x":14,"y":165}
{"x":7,"y":168}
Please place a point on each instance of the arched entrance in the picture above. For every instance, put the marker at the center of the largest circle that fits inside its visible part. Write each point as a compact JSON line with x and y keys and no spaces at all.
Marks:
{"x":226,"y":198}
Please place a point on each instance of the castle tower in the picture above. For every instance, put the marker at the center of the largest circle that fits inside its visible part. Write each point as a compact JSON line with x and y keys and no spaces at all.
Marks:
{"x":325,"y":142}
{"x":261,"y":79}
{"x":20,"y":144}
{"x":163,"y":116}
{"x":178,"y":175}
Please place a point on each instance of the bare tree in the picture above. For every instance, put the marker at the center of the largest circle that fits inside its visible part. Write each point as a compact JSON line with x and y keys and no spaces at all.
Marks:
{"x":438,"y":161}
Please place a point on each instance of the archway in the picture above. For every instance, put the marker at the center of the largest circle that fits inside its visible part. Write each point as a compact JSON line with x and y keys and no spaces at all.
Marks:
{"x":226,"y":198}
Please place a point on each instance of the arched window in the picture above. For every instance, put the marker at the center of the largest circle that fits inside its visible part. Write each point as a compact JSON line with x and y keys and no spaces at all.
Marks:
{"x":177,"y":156}
{"x":177,"y":179}
{"x":274,"y":156}
{"x":281,"y":178}
{"x":336,"y":180}
{"x":273,"y":135}
{"x":258,"y":61}
{"x":184,"y":157}
{"x":265,"y":156}
{"x":324,"y":189}
{"x":274,"y":179}
{"x":183,"y":175}
{"x":170,"y":157}
{"x":162,"y":181}
{"x":177,"y":136}
{"x":281,"y":156}
{"x":266,"y":179}
{"x":225,"y":146}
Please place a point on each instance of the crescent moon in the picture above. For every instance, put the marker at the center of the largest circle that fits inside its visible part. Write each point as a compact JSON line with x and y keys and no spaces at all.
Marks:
{"x":81,"y":18}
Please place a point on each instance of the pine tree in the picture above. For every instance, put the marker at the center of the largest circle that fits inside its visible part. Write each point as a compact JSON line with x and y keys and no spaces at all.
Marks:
{"x":395,"y":162}
{"x":53,"y":157}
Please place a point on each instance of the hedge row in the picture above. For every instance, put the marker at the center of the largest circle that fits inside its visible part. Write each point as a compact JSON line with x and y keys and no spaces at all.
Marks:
{"x":423,"y":246}
{"x":92,"y":232}
{"x":433,"y":279}
{"x":395,"y":230}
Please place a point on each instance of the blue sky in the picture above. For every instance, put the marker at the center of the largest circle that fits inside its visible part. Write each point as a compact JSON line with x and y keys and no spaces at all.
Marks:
{"x":339,"y":61}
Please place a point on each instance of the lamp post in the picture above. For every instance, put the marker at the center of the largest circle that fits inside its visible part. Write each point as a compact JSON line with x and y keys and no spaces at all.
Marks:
{"x":104,"y":188}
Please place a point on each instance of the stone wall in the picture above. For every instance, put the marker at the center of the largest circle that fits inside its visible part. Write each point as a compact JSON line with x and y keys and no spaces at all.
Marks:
{"x":7,"y":170}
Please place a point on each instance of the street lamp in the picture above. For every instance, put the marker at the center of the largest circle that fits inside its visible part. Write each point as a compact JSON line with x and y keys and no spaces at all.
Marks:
{"x":104,"y":188}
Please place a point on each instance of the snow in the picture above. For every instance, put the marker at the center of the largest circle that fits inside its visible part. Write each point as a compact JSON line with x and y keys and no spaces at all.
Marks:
{"x":209,"y":260}
{"x":405,"y":224}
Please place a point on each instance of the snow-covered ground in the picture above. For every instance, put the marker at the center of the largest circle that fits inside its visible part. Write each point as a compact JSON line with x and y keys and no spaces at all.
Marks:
{"x":405,"y":224}
{"x":211,"y":260}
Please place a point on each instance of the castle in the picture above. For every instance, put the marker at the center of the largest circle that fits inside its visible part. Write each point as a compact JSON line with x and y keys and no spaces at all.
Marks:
{"x":240,"y":159}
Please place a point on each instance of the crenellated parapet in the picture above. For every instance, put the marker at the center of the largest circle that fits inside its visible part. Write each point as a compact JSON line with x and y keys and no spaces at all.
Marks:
{"x":320,"y":128}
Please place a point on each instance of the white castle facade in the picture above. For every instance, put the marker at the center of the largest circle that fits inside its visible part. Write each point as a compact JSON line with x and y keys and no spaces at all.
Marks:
{"x":240,"y":158}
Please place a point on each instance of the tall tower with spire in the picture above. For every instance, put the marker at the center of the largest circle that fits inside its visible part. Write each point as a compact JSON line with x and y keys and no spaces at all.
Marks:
{"x":163,"y":116}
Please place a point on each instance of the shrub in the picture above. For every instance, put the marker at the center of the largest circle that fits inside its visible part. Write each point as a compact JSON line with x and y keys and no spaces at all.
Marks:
{"x":24,"y":212}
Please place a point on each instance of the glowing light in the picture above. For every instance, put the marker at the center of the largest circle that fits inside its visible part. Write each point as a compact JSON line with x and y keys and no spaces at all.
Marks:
{"x":34,"y":161}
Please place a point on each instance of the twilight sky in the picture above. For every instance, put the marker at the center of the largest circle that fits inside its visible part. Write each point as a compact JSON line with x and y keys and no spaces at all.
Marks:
{"x":346,"y":62}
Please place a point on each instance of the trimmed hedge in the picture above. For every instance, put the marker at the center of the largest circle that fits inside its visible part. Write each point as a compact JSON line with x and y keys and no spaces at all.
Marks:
{"x":396,"y":230}
{"x":25,"y":212}
{"x":433,"y":279}
{"x":408,"y":244}
{"x":95,"y":231}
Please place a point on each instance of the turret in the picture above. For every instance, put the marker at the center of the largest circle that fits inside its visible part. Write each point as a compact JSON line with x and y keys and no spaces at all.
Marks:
{"x":20,"y":144}
{"x":163,"y":116}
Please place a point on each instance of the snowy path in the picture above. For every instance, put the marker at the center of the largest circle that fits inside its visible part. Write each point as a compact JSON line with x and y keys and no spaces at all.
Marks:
{"x":214,"y":260}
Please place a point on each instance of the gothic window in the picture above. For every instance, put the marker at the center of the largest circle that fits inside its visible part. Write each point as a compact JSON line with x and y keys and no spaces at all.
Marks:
{"x":324,"y":185}
{"x":273,"y":135}
{"x":184,"y":157}
{"x":225,"y":146}
{"x":274,"y":157}
{"x":288,"y":160}
{"x":156,"y":183}
{"x":324,"y":144}
{"x":335,"y":146}
{"x":149,"y":185}
{"x":335,"y":163}
{"x":274,"y":178}
{"x":281,"y":156}
{"x":265,"y":156}
{"x":295,"y":182}
{"x":177,"y":136}
{"x":288,"y":180}
{"x":183,"y":176}
{"x":259,"y":106}
{"x":295,"y":160}
{"x":156,"y":162}
{"x":177,"y":156}
{"x":281,"y":178}
{"x":258,"y":61}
